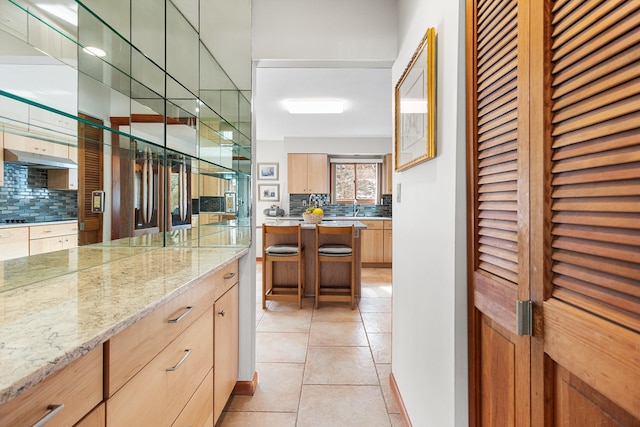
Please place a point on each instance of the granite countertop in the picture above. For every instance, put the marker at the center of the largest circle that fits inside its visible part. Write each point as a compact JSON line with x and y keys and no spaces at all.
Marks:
{"x":47,"y":324}
{"x":356,"y":224}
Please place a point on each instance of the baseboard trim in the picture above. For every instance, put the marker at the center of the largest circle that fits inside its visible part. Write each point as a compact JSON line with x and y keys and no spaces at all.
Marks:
{"x":246,"y":388}
{"x":399,"y":401}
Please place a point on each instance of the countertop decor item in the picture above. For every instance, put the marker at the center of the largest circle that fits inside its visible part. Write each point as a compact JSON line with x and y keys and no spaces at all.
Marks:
{"x":415,"y":107}
{"x":311,"y":218}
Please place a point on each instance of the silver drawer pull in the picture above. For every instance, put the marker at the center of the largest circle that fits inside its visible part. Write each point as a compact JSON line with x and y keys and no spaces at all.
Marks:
{"x":182,"y":316}
{"x":229,"y":276}
{"x":53,"y":410}
{"x":221,"y":313}
{"x":187,"y":352}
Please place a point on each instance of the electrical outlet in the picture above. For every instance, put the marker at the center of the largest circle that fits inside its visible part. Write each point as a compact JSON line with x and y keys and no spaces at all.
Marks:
{"x":304,"y":203}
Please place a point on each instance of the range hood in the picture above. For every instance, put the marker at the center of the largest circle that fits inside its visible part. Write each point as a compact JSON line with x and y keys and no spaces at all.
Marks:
{"x":41,"y":161}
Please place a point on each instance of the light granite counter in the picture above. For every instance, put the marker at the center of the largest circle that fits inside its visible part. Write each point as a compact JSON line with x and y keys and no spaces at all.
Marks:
{"x":326,"y":222}
{"x":99,"y":292}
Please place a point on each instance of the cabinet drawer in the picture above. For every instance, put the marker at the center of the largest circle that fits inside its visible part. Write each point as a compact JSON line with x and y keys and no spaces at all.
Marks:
{"x":134,"y":347}
{"x":372,"y":224}
{"x":78,"y":387}
{"x":159,"y":392}
{"x":199,"y":411}
{"x":52,"y":230}
{"x":388,"y":224}
{"x":14,"y":242}
{"x":225,"y":279}
{"x":95,"y":418}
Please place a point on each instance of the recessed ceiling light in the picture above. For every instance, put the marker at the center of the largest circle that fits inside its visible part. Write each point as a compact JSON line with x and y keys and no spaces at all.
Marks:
{"x":95,"y":51}
{"x":66,"y":13}
{"x":315,"y":106}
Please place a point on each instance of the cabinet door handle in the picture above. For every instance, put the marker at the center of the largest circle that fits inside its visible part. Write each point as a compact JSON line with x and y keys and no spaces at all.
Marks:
{"x":53,"y":410}
{"x":229,"y":276}
{"x":182,"y":316}
{"x":187,"y":352}
{"x":221,"y":313}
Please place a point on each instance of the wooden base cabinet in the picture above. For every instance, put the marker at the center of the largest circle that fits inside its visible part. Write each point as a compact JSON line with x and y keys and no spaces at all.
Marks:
{"x":162,"y":389}
{"x":198,"y":410}
{"x":14,"y":242}
{"x":63,"y":399}
{"x":226,"y":349}
{"x":377,"y":242}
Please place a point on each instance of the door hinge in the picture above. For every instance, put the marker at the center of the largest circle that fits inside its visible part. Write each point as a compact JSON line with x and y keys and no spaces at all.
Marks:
{"x":524,"y":318}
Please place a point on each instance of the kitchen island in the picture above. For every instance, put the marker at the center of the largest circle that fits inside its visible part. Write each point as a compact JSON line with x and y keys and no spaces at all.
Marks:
{"x":49,"y":320}
{"x":337,"y":274}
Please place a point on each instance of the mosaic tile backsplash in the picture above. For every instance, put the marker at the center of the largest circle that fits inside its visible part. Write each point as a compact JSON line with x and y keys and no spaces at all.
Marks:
{"x":299,"y":202}
{"x":25,"y":196}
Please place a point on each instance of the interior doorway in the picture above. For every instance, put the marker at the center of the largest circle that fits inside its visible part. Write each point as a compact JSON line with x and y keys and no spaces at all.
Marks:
{"x":90,"y":178}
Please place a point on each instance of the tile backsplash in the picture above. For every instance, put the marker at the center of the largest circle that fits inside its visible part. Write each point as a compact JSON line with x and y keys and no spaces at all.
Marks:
{"x":25,"y":196}
{"x":299,"y":202}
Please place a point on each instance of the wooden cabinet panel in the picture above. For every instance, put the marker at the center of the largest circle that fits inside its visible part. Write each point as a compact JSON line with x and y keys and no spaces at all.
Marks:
{"x":51,"y":230}
{"x":51,"y":244}
{"x":212,"y":186}
{"x":387,"y":187}
{"x":160,"y":391}
{"x":372,"y":245}
{"x":36,"y":146}
{"x":78,"y":387}
{"x":307,"y":173}
{"x":388,"y":246}
{"x":133,"y":348}
{"x":226,"y":349}
{"x":95,"y":418}
{"x":199,"y":410}
{"x":14,"y":242}
{"x":62,"y":179}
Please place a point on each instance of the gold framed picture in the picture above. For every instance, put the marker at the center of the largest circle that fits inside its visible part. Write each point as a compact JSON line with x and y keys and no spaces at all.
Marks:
{"x":415,"y":108}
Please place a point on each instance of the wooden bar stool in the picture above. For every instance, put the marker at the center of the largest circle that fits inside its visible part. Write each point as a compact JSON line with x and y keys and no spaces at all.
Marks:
{"x":334,"y":244}
{"x":282,"y":244}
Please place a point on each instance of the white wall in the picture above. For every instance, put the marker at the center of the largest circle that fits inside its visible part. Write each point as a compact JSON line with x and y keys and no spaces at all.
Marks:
{"x":324,"y":30}
{"x":429,"y":340}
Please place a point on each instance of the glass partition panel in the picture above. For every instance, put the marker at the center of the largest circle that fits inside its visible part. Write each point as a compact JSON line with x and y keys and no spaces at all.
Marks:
{"x":182,"y":49}
{"x":147,"y":29}
{"x":115,"y":13}
{"x":190,"y":10}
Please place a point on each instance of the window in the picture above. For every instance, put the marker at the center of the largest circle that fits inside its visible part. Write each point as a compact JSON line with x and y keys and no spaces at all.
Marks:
{"x":355,"y":181}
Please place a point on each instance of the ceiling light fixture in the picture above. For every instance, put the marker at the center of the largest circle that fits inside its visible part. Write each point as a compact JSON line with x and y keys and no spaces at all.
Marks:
{"x":315,"y":106}
{"x":66,"y":13}
{"x":95,"y":51}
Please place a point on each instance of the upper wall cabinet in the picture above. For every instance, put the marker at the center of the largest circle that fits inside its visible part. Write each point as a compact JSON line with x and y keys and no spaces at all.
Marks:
{"x":308,"y":173}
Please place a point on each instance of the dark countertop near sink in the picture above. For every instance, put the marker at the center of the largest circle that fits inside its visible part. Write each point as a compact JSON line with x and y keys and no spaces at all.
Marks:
{"x":32,"y":224}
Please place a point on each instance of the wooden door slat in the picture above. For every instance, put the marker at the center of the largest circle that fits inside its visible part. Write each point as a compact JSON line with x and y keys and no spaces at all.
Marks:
{"x":499,"y":94}
{"x":498,"y":206}
{"x":600,"y":130}
{"x":608,"y":143}
{"x":508,"y":137}
{"x":508,"y":245}
{"x":488,"y":33}
{"x":498,"y":71}
{"x":566,"y":29}
{"x":506,"y":196}
{"x":502,"y":114}
{"x":499,"y":168}
{"x":499,"y":234}
{"x":498,"y":271}
{"x":503,"y":55}
{"x":600,"y":204}
{"x":504,"y":41}
{"x":499,"y":225}
{"x":620,"y":268}
{"x":617,"y":109}
{"x":588,"y":277}
{"x":511,"y":146}
{"x":602,"y":174}
{"x":498,"y":253}
{"x":500,"y":262}
{"x":600,"y":249}
{"x":565,"y":11}
{"x":498,"y":187}
{"x":613,"y":158}
{"x":607,"y":219}
{"x":610,"y":235}
{"x":498,"y":177}
{"x":596,"y":293}
{"x":489,"y":93}
{"x":507,"y":157}
{"x":601,"y":189}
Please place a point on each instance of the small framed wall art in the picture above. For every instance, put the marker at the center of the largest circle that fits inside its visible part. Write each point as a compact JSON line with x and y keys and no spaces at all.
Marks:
{"x":415,"y":107}
{"x":268,"y":171}
{"x":269,"y":192}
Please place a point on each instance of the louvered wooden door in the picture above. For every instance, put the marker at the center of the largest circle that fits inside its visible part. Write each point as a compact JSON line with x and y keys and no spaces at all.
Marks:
{"x":90,"y":178}
{"x":587,"y":357}
{"x":498,"y":155}
{"x":554,"y":171}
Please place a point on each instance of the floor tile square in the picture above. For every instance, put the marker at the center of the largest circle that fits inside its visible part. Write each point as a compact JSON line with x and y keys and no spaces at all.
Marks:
{"x":257,"y":419}
{"x":375,"y":305}
{"x":336,"y":312}
{"x":278,"y":389}
{"x":288,"y":347}
{"x":353,"y":406}
{"x":340,"y":365}
{"x":337,"y":334}
{"x":285,"y":321}
{"x":384,"y":371}
{"x":380,"y":347}
{"x":377,"y":322}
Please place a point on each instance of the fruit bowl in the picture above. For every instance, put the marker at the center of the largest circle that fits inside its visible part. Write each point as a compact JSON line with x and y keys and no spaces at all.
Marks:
{"x":311,"y":218}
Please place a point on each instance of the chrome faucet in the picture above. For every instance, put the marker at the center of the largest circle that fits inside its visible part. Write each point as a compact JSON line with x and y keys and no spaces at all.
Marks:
{"x":310,"y":199}
{"x":356,"y":208}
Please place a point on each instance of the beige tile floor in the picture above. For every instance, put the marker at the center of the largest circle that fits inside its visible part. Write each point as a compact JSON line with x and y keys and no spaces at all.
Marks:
{"x":328,"y":367}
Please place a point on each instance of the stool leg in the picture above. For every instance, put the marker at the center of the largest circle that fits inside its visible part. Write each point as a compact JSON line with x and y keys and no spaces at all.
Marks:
{"x":264,"y":282}
{"x":317,"y":283}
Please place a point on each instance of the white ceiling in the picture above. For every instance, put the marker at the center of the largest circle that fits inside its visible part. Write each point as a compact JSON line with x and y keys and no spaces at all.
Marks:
{"x":365,"y":91}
